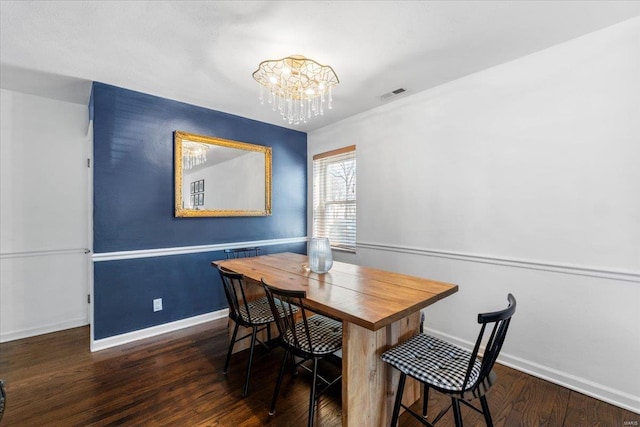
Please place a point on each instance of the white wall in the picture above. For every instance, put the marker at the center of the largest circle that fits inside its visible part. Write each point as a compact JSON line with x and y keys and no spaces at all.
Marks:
{"x":523,"y":178}
{"x":43,"y":215}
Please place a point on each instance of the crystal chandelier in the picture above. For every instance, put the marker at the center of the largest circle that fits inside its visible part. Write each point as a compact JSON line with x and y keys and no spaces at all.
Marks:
{"x":193,"y":154}
{"x":296,"y":86}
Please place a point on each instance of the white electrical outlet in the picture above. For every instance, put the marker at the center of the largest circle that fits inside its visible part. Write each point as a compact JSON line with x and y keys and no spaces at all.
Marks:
{"x":157,"y":304}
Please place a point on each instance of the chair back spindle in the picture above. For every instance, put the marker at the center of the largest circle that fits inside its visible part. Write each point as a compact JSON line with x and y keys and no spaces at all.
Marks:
{"x":233,"y":284}
{"x":288,"y":302}
{"x":500,"y":320}
{"x":242,"y":252}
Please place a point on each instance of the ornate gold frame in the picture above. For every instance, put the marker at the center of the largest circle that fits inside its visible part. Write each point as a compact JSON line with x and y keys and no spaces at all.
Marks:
{"x":179,"y":137}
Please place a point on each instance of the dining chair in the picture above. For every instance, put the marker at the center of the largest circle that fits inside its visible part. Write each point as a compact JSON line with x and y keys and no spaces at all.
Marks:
{"x":308,"y":337}
{"x":242,"y":252}
{"x":451,"y":370}
{"x":255,"y":314}
{"x":3,"y":399}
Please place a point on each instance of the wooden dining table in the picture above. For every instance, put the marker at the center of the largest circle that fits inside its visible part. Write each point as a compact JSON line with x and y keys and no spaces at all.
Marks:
{"x":378,"y":309}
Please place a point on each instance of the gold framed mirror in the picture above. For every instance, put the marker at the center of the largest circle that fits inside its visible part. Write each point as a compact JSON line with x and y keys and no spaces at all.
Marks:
{"x":220,"y":177}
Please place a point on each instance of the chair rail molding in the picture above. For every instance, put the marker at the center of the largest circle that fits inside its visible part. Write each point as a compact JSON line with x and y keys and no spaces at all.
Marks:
{"x":150,"y":253}
{"x":601,"y":272}
{"x":44,"y":252}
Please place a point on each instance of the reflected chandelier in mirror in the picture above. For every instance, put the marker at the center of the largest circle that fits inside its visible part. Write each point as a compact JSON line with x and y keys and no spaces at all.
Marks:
{"x":220,"y":177}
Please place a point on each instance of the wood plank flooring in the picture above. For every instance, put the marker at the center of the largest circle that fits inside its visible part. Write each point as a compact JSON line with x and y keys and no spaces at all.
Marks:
{"x":176,"y":380}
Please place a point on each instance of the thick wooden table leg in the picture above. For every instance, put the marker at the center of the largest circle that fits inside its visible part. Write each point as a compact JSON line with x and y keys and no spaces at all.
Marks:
{"x":369,"y":384}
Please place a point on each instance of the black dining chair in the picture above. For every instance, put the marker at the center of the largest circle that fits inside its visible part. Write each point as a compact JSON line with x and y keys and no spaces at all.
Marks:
{"x":255,"y":314}
{"x":451,"y":370}
{"x":242,"y":252}
{"x":307,"y":337}
{"x":3,"y":399}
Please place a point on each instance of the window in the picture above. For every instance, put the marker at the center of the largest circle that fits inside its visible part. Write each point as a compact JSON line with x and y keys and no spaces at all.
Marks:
{"x":334,"y":197}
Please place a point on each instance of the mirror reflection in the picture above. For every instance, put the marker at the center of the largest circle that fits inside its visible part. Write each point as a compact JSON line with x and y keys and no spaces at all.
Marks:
{"x":220,"y":177}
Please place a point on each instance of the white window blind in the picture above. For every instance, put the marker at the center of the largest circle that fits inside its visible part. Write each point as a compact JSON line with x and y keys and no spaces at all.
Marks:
{"x":334,"y":197}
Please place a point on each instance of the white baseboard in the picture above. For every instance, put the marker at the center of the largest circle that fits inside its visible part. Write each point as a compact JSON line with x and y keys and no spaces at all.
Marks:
{"x":40,"y":330}
{"x":572,"y":382}
{"x":153,"y":331}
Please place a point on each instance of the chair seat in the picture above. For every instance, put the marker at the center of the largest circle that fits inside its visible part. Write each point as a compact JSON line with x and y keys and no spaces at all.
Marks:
{"x":326,"y":335}
{"x":434,"y":362}
{"x":260,"y":311}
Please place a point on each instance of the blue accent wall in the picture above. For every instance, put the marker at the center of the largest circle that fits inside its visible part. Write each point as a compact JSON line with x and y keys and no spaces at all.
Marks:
{"x":134,"y":207}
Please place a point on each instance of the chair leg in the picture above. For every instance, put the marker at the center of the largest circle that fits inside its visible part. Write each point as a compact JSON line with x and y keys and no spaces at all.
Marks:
{"x":396,"y":406}
{"x":312,"y":394}
{"x":456,"y":412}
{"x":294,"y":365}
{"x":272,"y":410}
{"x":269,"y":333}
{"x":425,"y":401}
{"x":233,"y":341}
{"x":253,"y":346}
{"x":485,"y":411}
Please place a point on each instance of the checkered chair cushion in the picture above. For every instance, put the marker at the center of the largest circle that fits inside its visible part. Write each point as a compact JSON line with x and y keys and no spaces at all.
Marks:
{"x":433,"y":361}
{"x":260,"y":311}
{"x":326,"y":335}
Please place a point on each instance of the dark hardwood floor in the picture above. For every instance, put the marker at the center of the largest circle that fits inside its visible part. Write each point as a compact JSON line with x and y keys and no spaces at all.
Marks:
{"x":176,"y":379}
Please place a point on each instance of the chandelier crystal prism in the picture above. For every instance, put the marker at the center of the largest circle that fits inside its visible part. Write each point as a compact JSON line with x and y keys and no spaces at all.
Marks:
{"x":296,"y":86}
{"x":193,"y":154}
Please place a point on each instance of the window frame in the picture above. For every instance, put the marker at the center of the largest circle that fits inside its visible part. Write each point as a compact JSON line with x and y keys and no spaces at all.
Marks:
{"x":319,"y":191}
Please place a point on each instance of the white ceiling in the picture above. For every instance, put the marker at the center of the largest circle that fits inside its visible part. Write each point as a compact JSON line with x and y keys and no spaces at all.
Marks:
{"x":204,"y":52}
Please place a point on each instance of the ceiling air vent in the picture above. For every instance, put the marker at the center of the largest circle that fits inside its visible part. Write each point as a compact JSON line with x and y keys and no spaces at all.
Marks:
{"x":392,"y":94}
